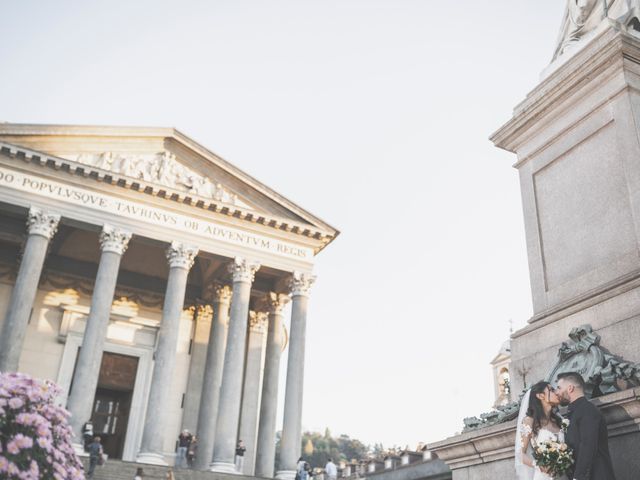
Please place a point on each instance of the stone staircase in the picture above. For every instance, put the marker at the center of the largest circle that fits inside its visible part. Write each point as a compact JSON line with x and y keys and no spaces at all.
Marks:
{"x":119,"y":470}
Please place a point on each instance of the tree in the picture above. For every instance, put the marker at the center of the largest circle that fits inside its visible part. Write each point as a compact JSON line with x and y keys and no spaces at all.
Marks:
{"x":318,"y":448}
{"x":308,"y":448}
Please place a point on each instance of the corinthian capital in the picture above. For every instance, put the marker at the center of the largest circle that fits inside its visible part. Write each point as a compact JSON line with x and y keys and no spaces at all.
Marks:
{"x":275,"y":302}
{"x":180,"y":255}
{"x":243,"y":270}
{"x":42,"y":223}
{"x":301,"y":283}
{"x":114,"y":239}
{"x":218,"y":293}
{"x":258,"y":321}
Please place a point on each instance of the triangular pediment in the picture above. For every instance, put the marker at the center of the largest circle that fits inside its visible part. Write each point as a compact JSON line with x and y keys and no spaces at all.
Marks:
{"x":162,"y":169}
{"x":167,"y":161}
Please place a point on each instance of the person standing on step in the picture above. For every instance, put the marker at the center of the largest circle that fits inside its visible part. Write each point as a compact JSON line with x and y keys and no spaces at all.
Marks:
{"x":139,"y":474}
{"x":192,"y":452}
{"x":184,"y":440}
{"x":240,"y":449}
{"x":331,"y":470}
{"x":95,"y":455}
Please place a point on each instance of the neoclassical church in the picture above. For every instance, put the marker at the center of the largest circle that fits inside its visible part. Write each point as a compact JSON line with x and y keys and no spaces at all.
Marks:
{"x":147,"y":277}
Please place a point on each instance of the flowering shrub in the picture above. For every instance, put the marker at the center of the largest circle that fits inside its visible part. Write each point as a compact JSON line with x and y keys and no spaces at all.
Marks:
{"x":556,"y":457}
{"x":35,"y":438}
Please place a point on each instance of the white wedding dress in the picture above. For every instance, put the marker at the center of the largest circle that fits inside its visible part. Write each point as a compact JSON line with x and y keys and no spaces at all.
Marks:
{"x":525,"y":472}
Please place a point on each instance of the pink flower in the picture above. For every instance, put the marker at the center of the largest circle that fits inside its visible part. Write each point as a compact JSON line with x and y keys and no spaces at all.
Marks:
{"x":33,"y":468}
{"x":12,"y":448}
{"x":22,"y":441}
{"x":13,"y":469}
{"x":45,"y":443}
{"x":43,"y":429}
{"x":15,"y":403}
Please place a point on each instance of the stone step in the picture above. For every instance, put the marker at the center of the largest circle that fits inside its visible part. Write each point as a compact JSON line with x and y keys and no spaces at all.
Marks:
{"x":119,"y":470}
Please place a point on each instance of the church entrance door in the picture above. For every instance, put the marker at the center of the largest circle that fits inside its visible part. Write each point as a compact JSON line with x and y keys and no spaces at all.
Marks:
{"x":112,"y":403}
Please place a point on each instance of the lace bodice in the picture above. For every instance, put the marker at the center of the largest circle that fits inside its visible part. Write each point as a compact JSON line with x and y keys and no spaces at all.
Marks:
{"x":545,"y":435}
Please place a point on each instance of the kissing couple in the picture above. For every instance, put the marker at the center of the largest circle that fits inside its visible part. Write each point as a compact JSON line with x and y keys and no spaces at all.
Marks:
{"x":583,"y":432}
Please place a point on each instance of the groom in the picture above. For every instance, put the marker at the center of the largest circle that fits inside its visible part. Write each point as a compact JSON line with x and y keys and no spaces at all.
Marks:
{"x":587,"y":433}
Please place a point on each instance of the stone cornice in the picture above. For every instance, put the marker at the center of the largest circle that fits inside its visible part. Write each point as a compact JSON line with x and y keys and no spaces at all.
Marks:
{"x":606,"y":51}
{"x":76,"y":168}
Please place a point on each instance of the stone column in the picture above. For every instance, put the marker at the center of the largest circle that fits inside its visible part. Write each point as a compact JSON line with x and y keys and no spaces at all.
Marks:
{"x":113,"y":244}
{"x":243,"y":273}
{"x":266,"y":449}
{"x":210,"y":398}
{"x":203,"y":318}
{"x":292,"y":425}
{"x":181,"y":258}
{"x":252,"y":389}
{"x":41,"y":227}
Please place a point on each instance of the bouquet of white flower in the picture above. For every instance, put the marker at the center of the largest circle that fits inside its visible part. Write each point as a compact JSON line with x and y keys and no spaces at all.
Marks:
{"x":555,"y":457}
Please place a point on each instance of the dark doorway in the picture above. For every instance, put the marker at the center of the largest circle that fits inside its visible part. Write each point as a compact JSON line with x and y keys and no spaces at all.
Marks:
{"x":110,"y":415}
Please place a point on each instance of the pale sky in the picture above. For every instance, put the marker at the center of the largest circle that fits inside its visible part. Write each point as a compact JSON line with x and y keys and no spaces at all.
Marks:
{"x":372,"y":114}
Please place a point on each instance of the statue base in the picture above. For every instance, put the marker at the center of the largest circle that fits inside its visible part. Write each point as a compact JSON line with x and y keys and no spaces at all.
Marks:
{"x":577,"y":140}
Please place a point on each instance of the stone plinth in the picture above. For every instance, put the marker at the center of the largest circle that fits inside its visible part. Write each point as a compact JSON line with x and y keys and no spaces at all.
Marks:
{"x":487,"y":453}
{"x":576,"y":137}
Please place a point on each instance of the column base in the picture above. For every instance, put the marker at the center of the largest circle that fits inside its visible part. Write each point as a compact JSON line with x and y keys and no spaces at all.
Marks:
{"x":285,"y":475}
{"x":151,"y":458}
{"x":223,"y":467}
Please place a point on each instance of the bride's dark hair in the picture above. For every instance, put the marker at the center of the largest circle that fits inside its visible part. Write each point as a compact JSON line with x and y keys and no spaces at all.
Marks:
{"x":535,"y":409}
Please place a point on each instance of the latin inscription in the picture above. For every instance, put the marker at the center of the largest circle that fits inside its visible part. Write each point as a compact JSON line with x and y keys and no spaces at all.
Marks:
{"x":149,"y":214}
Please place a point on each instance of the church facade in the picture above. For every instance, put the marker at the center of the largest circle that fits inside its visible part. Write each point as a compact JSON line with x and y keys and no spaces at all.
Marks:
{"x":148,"y":277}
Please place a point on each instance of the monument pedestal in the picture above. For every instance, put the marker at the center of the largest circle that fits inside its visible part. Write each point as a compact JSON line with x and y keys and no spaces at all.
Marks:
{"x":577,"y":140}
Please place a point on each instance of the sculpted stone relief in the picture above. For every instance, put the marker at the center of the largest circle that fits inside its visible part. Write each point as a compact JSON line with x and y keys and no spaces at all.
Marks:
{"x":603,"y":373}
{"x":161,"y":168}
{"x":582,"y":18}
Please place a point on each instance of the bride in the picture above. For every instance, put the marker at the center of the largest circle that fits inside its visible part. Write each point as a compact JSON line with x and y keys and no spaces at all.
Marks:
{"x":538,"y":422}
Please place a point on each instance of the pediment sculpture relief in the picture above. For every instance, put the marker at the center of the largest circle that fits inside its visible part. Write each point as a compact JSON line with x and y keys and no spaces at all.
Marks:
{"x":160,"y":168}
{"x":583,"y":17}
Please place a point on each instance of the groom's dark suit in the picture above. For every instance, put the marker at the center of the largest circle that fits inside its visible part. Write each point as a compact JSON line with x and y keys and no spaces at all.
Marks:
{"x":587,"y":436}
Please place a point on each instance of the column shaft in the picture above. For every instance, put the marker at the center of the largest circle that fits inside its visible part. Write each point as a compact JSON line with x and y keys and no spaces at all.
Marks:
{"x":252,"y":389}
{"x":42,"y":227}
{"x":266,"y":448}
{"x":231,"y":388}
{"x":210,"y":398}
{"x":85,"y":378}
{"x":181,"y":259}
{"x":292,"y":424}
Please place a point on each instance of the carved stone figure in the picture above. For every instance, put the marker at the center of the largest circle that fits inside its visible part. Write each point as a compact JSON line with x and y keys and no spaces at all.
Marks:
{"x":583,"y":17}
{"x":602,"y":372}
{"x":161,"y":168}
